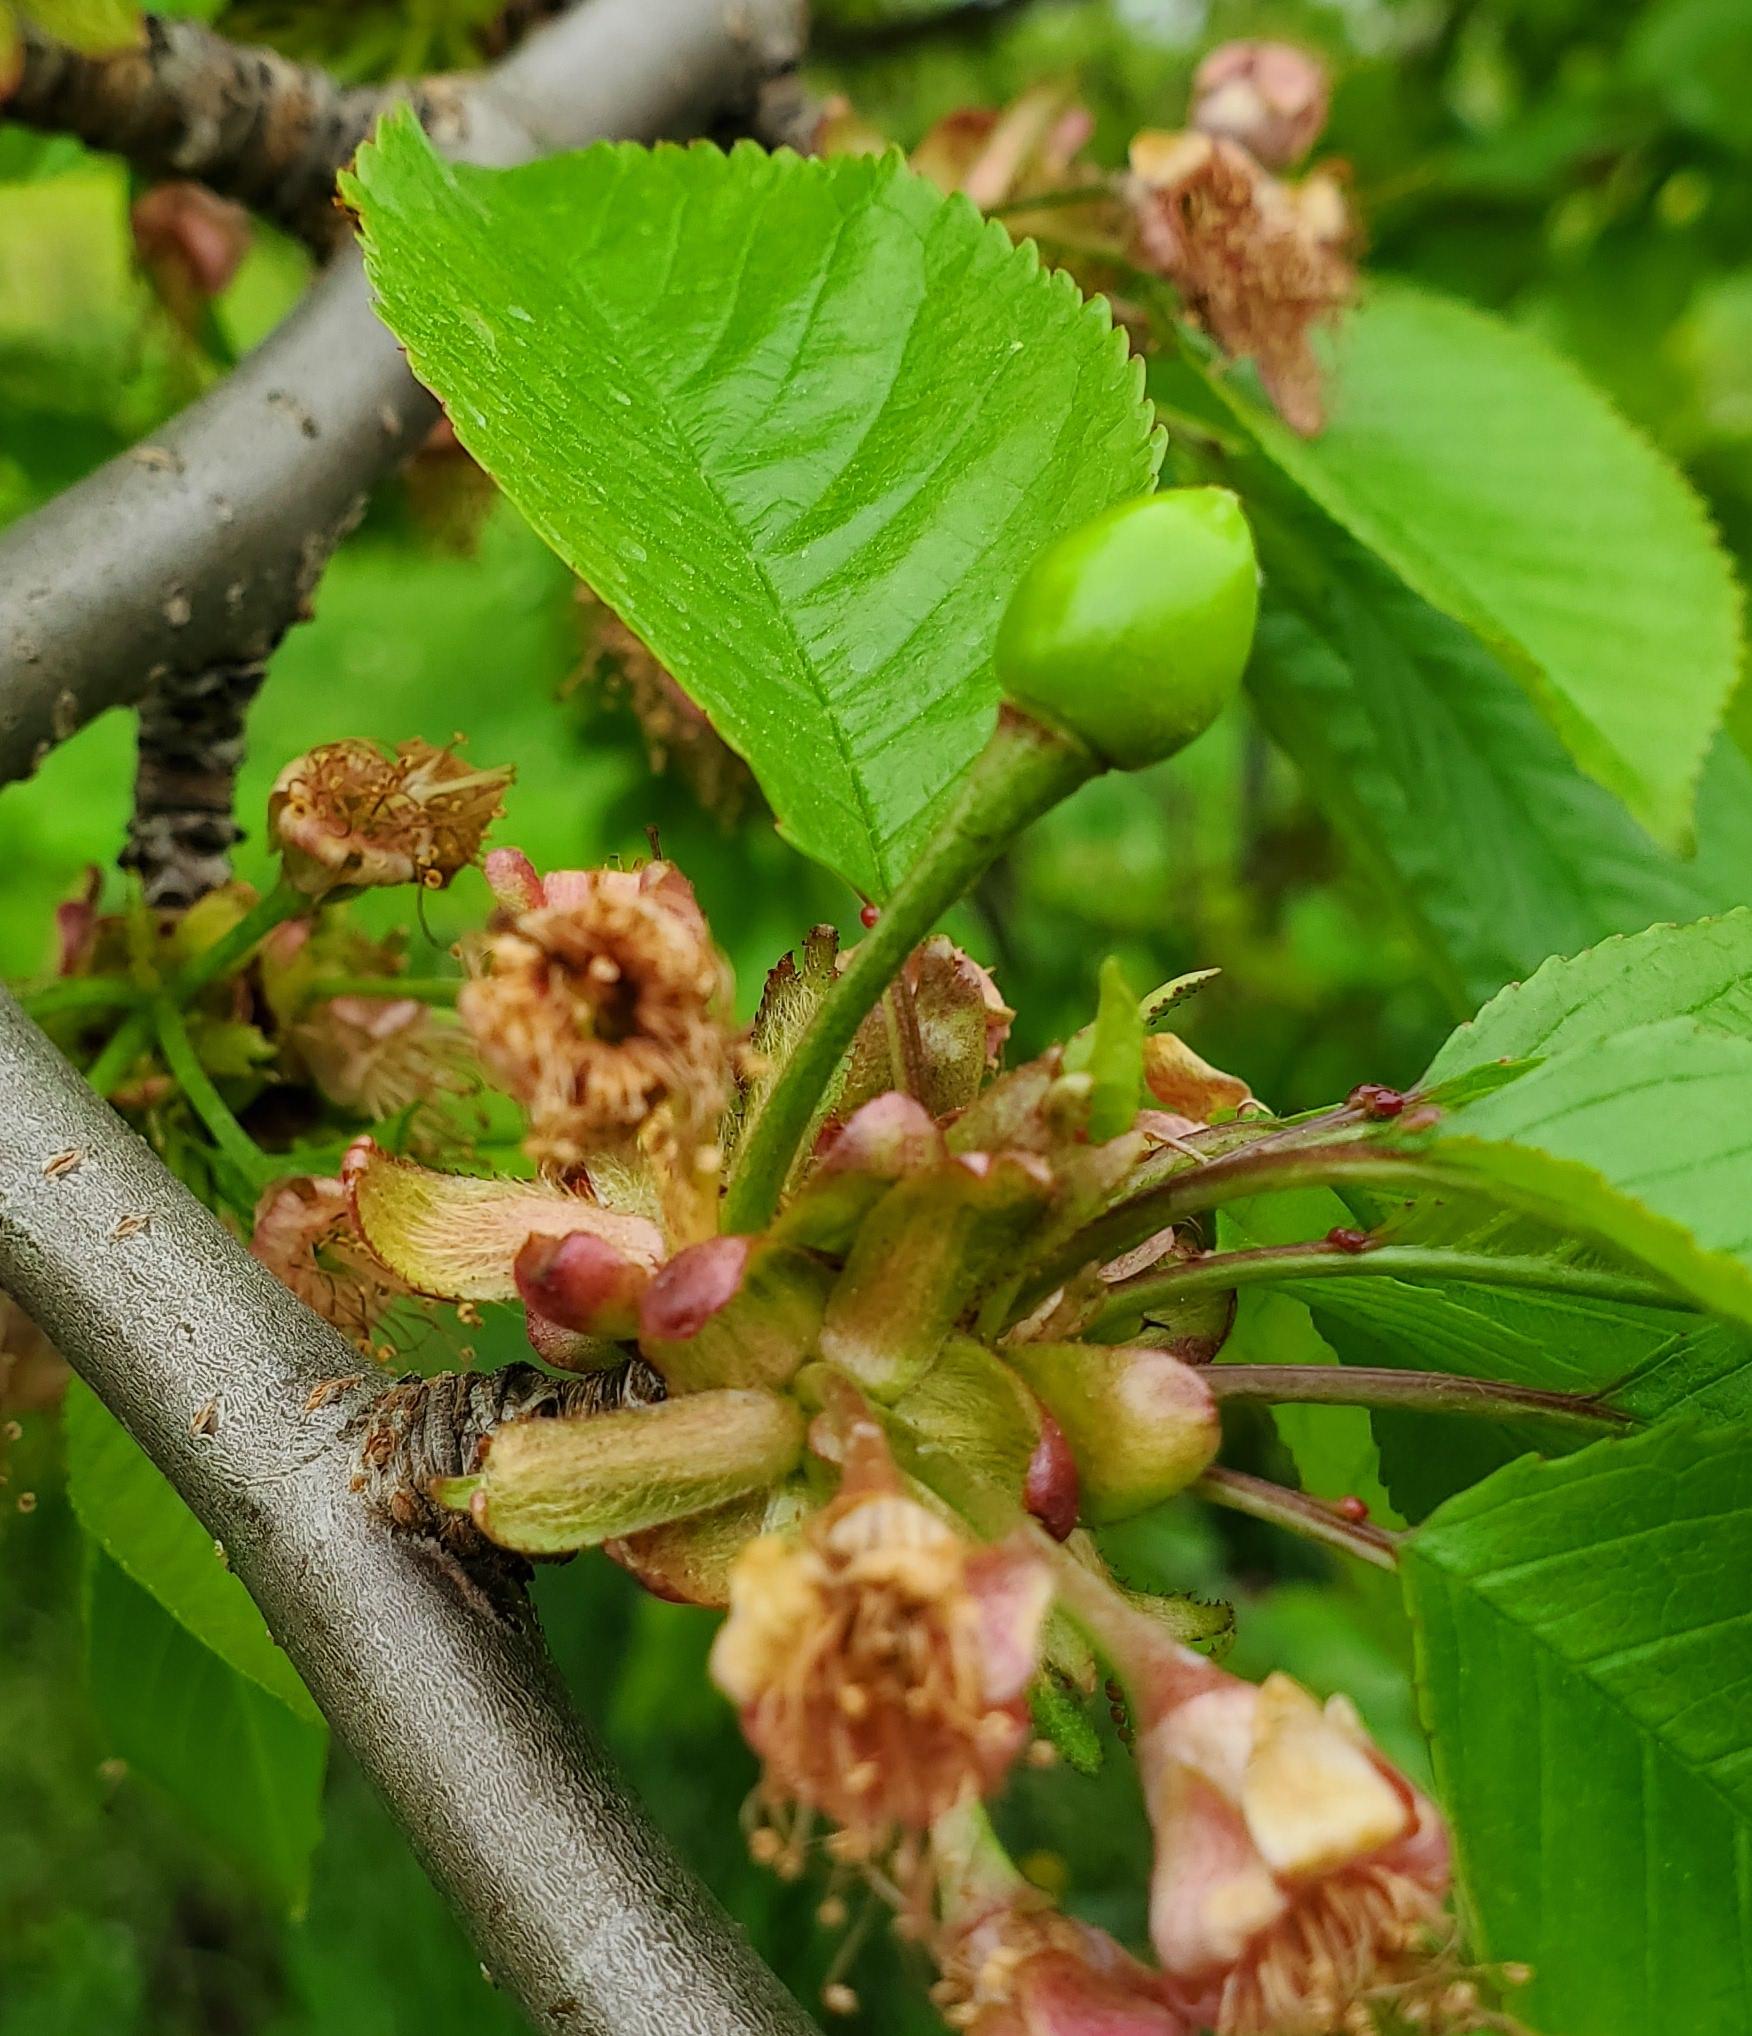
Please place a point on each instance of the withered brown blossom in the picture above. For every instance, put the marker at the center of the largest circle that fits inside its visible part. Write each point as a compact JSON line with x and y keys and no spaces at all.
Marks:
{"x":376,"y":1056}
{"x":879,"y":1660}
{"x":304,"y":1234}
{"x":598,"y":999}
{"x":1259,"y":263}
{"x":346,"y":817}
{"x":678,"y":735}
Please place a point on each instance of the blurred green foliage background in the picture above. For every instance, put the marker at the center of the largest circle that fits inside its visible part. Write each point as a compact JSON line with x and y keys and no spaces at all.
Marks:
{"x":1585,"y":168}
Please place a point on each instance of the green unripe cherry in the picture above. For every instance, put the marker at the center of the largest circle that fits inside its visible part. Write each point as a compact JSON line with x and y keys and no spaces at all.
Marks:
{"x":1131,"y":633}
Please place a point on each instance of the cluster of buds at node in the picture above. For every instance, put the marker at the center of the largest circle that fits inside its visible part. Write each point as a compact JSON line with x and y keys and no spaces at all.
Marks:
{"x":878,"y":1436}
{"x":345,"y":817}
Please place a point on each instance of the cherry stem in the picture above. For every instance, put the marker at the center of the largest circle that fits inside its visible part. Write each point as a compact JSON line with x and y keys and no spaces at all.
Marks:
{"x":439,"y":990}
{"x":1422,"y":1392}
{"x":1022,"y":772}
{"x":228,"y":952}
{"x":234,"y":1144}
{"x":1319,"y":1258}
{"x":1313,"y":1519}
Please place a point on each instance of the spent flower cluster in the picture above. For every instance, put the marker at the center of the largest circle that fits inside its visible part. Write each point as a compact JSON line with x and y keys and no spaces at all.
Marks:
{"x":883,"y":1432}
{"x":898,"y":1324}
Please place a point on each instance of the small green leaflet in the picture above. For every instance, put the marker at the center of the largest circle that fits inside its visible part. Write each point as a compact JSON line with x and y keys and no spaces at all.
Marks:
{"x":1584,"y":1640}
{"x":1701,"y":971}
{"x":1504,"y":489}
{"x":802,"y":424}
{"x":1111,"y":1053}
{"x":242,"y":1767}
{"x":127,"y":1508}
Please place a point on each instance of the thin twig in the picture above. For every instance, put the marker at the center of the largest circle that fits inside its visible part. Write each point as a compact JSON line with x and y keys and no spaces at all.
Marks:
{"x":1418,"y":1392}
{"x":250,"y":124}
{"x":1301,"y":1514}
{"x":1319,"y":1258}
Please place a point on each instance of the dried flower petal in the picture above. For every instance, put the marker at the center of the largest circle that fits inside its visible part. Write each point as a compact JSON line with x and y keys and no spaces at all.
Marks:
{"x":1259,"y":263}
{"x":376,"y":1056}
{"x":599,"y":1005}
{"x":347,"y":817}
{"x":879,"y":1661}
{"x":305,"y":1237}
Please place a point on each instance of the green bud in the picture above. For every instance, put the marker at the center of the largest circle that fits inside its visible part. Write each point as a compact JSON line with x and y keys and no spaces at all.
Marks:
{"x":552,"y":1485}
{"x":1131,"y":633}
{"x":1141,"y":1424}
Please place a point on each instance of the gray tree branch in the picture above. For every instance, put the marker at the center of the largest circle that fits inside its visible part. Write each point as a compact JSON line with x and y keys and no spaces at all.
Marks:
{"x":202,"y":546}
{"x":575,"y":1904}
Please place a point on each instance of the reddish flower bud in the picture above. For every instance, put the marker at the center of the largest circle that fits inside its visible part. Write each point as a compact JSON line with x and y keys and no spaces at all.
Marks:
{"x":691,"y":1289}
{"x":512,"y":879}
{"x":582,"y":1282}
{"x":887,"y":1137}
{"x":733,"y":1311}
{"x":1051,"y":1490}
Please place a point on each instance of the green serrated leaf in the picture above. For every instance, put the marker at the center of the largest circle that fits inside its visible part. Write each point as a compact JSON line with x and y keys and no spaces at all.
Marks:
{"x":127,"y":1508}
{"x":1504,"y":490}
{"x":1461,"y":802}
{"x":1701,"y":971}
{"x":1652,"y":1363}
{"x":1583,"y":1668}
{"x":802,"y":424}
{"x":1642,"y":1143}
{"x":244,"y":1767}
